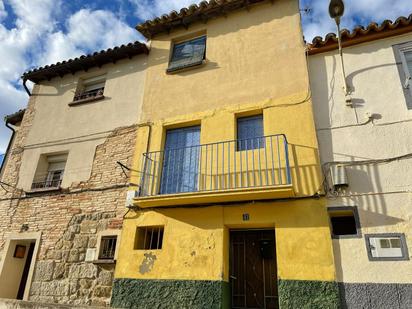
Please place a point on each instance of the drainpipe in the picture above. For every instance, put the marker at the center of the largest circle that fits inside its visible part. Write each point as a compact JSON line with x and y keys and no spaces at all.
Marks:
{"x":149,"y":125}
{"x":25,"y":87}
{"x":8,"y":147}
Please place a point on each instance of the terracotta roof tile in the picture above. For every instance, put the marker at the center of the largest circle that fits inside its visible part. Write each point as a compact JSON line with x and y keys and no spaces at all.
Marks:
{"x":360,"y":34}
{"x":196,"y":12}
{"x":85,"y":62}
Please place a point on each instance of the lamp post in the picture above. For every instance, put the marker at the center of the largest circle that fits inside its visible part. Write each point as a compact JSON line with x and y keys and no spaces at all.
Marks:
{"x":336,"y":11}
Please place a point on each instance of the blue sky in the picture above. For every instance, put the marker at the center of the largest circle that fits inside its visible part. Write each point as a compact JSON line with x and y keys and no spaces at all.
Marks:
{"x":39,"y":32}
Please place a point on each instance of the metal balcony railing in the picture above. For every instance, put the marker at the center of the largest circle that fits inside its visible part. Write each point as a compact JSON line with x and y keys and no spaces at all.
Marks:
{"x":89,"y":94}
{"x":46,"y":184}
{"x":230,"y":165}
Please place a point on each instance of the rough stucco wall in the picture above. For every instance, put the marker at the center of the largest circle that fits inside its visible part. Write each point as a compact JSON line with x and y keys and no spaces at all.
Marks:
{"x":132,"y":293}
{"x":194,"y":246}
{"x":69,"y":222}
{"x":380,"y":191}
{"x":241,"y":66}
{"x":372,"y":295}
{"x":58,"y":127}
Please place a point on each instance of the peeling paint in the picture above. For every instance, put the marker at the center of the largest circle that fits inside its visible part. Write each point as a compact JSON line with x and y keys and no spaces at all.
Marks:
{"x":147,"y":263}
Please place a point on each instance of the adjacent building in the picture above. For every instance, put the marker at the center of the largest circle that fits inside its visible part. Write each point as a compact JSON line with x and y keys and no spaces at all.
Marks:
{"x":64,"y":182}
{"x":366,"y":155}
{"x":227,"y":207}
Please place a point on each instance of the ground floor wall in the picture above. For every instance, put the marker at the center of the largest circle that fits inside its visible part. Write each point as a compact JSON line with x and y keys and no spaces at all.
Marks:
{"x":366,"y":283}
{"x":192,"y":266}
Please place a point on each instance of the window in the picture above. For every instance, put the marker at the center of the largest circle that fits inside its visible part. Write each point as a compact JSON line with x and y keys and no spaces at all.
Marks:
{"x":386,"y":247}
{"x":149,"y":238}
{"x":187,"y":54}
{"x":50,"y":171}
{"x":403,"y":56}
{"x":250,"y":133}
{"x":344,"y":222}
{"x":107,"y":247}
{"x":90,"y":89}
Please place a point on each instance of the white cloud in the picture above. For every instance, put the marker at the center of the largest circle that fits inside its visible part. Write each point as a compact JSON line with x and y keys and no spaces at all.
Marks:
{"x":3,"y":12}
{"x":318,"y":22}
{"x":87,"y":31}
{"x":36,"y":38}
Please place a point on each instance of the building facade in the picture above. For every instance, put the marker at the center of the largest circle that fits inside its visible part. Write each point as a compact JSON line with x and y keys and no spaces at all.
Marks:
{"x":63,"y":192}
{"x":227,"y":207}
{"x":365,"y":151}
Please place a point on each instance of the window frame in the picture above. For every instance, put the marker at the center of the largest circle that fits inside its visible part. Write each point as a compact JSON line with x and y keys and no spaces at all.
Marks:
{"x":171,"y":70}
{"x":403,"y":70}
{"x":100,"y":236}
{"x":83,"y":96}
{"x":137,"y":238}
{"x":354,"y":210}
{"x":404,"y":247}
{"x":238,"y":144}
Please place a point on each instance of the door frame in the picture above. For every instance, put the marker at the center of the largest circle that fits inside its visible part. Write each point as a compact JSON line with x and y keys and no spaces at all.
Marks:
{"x":229,"y":230}
{"x":34,"y":236}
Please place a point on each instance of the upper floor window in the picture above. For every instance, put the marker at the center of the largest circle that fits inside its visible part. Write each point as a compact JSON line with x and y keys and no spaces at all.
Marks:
{"x":250,"y":133}
{"x":49,"y":173}
{"x":403,"y":55}
{"x":187,"y":54}
{"x":90,"y":89}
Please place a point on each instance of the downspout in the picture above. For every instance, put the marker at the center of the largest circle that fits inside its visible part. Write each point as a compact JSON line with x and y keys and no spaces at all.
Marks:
{"x":25,"y":87}
{"x":149,"y":125}
{"x":8,"y":147}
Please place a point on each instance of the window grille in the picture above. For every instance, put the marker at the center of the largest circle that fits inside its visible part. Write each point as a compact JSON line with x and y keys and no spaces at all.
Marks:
{"x":149,"y":238}
{"x":107,"y":247}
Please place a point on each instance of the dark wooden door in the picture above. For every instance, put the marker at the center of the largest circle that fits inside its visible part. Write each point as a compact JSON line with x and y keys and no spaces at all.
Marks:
{"x":253,"y":271}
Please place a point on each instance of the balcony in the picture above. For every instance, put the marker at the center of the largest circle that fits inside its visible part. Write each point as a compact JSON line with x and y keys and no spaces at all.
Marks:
{"x":88,"y":96}
{"x":229,"y":171}
{"x":46,"y":185}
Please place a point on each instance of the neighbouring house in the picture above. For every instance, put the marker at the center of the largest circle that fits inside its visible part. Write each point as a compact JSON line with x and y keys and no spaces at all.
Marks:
{"x":63,"y":193}
{"x":366,"y":156}
{"x":227,"y":209}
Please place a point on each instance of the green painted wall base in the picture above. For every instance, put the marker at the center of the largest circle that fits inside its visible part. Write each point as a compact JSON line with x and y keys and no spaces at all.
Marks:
{"x":308,"y":294}
{"x":134,"y":293}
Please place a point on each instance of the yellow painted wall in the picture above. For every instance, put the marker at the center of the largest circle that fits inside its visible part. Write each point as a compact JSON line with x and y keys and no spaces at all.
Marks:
{"x":255,"y":63}
{"x":196,"y":242}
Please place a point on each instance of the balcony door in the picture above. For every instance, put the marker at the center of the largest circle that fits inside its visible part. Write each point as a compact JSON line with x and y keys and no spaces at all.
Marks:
{"x":181,"y":161}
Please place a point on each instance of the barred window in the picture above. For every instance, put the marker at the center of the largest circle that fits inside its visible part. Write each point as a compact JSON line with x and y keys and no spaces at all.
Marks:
{"x":250,"y":133}
{"x":187,"y":54}
{"x":107,"y":247}
{"x":149,"y":238}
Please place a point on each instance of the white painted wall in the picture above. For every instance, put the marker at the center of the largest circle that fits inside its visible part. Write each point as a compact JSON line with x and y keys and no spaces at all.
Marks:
{"x":79,"y":129}
{"x":382,"y":192}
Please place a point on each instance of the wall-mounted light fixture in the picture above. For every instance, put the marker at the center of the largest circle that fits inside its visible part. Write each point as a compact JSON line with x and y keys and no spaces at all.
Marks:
{"x":336,"y":11}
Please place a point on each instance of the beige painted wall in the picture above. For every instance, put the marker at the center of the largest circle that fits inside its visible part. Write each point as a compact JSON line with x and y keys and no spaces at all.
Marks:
{"x":383,"y":192}
{"x":58,"y":127}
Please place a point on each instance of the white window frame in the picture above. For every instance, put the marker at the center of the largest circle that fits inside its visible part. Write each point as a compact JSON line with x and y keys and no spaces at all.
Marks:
{"x":100,"y":235}
{"x":403,"y":248}
{"x":408,"y":78}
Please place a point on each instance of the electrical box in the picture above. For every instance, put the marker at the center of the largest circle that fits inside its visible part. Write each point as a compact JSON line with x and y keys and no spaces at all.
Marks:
{"x":131,"y":194}
{"x":267,"y":248}
{"x":339,"y":176}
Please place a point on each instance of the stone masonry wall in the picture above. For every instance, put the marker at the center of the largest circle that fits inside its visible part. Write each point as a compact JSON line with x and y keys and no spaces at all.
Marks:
{"x":69,"y":220}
